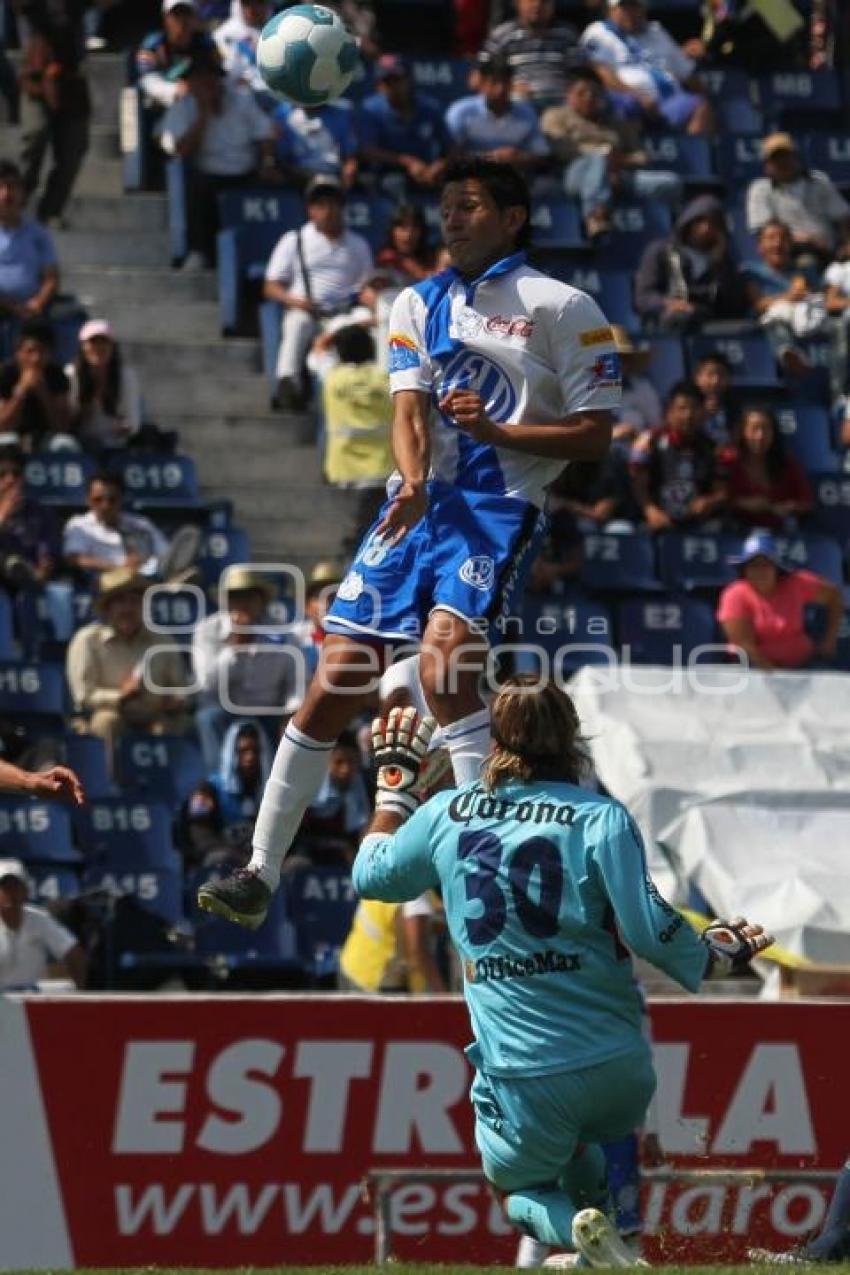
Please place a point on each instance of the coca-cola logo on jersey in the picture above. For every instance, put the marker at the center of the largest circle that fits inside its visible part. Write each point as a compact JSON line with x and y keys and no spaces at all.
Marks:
{"x":517,"y":325}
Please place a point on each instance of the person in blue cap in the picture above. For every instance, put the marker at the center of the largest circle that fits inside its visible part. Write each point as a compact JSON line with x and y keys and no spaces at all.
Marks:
{"x":765,"y":612}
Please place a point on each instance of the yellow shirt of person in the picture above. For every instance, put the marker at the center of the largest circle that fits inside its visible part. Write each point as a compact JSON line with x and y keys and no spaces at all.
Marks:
{"x":372,"y":957}
{"x":358,"y":411}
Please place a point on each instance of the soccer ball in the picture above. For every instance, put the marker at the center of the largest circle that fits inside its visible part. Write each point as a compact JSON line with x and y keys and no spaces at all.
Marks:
{"x":306,"y":55}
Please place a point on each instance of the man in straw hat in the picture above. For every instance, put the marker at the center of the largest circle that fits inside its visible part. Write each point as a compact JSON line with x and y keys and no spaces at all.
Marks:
{"x":112,"y":676}
{"x":239,"y":670}
{"x":545,"y":887}
{"x":806,"y":202}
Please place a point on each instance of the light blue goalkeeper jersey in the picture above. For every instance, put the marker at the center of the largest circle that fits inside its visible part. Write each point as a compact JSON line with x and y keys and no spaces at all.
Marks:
{"x":546,"y":892}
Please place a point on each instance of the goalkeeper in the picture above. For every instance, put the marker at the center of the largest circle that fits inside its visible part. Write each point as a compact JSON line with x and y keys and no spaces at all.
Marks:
{"x":546,"y":892}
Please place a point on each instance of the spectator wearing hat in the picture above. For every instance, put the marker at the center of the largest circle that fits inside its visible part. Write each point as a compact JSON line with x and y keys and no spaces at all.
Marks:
{"x":237,"y":39}
{"x":116,"y":666}
{"x":316,"y":273}
{"x":316,"y":140}
{"x":640,"y":408}
{"x":29,"y":273}
{"x":642,"y":63}
{"x":492,"y":124}
{"x":179,"y":38}
{"x":55,"y":105}
{"x":34,"y":407}
{"x":241,"y":671}
{"x":676,"y":476}
{"x":540,"y":49}
{"x":308,"y":633}
{"x":29,"y":539}
{"x":601,"y":153}
{"x":31,"y":941}
{"x":805,"y":201}
{"x":767,"y":487}
{"x":764,"y":612}
{"x":403,"y":137}
{"x":105,"y":396}
{"x":227,"y":141}
{"x":109,"y":536}
{"x":691,"y":277}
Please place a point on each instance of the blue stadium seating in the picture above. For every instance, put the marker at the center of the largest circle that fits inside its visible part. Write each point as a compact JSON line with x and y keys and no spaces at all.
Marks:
{"x":832,"y":504}
{"x":157,"y":481}
{"x":634,"y":225}
{"x":32,"y":690}
{"x":561,"y":635}
{"x":695,"y":560}
{"x":556,"y":224}
{"x":445,"y":79}
{"x":797,"y":91}
{"x":690,"y":157}
{"x":667,"y":362}
{"x":739,"y":159}
{"x":52,"y":882}
{"x":122,"y":833}
{"x":86,"y":754}
{"x":157,"y":890}
{"x":751,"y":358}
{"x":35,"y":830}
{"x":744,"y":243}
{"x":811,"y":552}
{"x":370,"y":216}
{"x":222,"y":548}
{"x":162,"y":767}
{"x":619,"y":563}
{"x":243,"y":254}
{"x":830,"y":152}
{"x":732,"y":99}
{"x":320,"y":905}
{"x":667,"y":631}
{"x":59,"y":478}
{"x":611,"y":288}
{"x":175,"y":610}
{"x":808,"y":434}
{"x":283,"y":209}
{"x":7,"y":633}
{"x":271,"y":318}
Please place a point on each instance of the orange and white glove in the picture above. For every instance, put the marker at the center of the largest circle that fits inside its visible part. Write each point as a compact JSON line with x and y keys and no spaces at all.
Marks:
{"x":399,"y":746}
{"x":732,"y":945}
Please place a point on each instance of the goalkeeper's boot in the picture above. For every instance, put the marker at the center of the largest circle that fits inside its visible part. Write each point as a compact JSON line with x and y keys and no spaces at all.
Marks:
{"x":598,"y":1241}
{"x":243,"y":898}
{"x":563,"y":1262}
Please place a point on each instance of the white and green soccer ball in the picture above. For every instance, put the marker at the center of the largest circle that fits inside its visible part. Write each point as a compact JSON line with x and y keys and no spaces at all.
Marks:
{"x":306,"y":55}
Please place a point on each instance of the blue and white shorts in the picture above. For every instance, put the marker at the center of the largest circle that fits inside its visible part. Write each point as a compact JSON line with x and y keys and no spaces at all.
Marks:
{"x":469,"y":555}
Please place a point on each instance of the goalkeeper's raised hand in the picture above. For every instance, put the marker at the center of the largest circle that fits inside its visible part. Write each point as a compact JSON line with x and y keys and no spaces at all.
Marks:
{"x":399,"y":746}
{"x":732,"y":945}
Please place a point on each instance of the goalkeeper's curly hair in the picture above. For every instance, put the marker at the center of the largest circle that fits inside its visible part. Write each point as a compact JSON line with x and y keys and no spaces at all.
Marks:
{"x":537,"y":735}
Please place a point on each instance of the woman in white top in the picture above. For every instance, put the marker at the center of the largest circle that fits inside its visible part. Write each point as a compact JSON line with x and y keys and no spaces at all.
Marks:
{"x":105,"y":396}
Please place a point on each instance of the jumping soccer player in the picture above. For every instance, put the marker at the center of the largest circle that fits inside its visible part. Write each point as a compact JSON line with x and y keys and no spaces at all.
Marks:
{"x":499,"y":375}
{"x":545,"y":887}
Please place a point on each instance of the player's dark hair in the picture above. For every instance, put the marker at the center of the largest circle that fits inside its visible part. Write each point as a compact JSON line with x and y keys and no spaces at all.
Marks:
{"x":536,"y":734}
{"x":684,"y":389}
{"x":503,"y":182}
{"x":354,"y":344}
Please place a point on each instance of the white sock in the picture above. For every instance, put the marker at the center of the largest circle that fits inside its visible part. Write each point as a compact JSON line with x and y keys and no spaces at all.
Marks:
{"x":531,"y":1253}
{"x":468,"y":742}
{"x":297,"y":772}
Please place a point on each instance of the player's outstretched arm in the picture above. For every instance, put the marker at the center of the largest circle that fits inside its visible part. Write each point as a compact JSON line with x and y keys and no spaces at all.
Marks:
{"x":59,"y":782}
{"x":412,"y":451}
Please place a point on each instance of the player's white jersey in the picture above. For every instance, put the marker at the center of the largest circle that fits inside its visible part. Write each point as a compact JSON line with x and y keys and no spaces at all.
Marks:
{"x":535,"y":349}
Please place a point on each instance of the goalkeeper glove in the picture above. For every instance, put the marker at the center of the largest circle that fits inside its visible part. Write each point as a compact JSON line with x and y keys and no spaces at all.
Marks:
{"x":399,"y":745}
{"x":732,"y":945}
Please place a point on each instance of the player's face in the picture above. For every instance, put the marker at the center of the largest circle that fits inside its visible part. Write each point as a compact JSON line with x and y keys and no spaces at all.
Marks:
{"x":476,"y":231}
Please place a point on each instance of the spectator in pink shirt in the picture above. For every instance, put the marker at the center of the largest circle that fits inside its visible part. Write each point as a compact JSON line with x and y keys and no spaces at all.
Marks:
{"x":764,"y":612}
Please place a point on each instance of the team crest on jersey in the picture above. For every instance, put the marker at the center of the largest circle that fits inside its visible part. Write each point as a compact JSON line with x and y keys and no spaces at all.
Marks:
{"x":605,"y":372}
{"x":403,"y":352}
{"x":465,"y":324}
{"x":469,"y":370}
{"x":479,"y":572}
{"x":351,"y":587}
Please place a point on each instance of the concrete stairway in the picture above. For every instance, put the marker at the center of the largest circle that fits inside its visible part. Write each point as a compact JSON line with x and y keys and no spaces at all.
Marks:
{"x":115,"y":257}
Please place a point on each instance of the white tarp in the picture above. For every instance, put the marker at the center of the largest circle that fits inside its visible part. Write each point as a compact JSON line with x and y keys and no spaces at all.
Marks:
{"x":745,"y":779}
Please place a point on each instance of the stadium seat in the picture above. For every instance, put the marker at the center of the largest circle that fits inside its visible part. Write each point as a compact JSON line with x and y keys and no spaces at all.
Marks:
{"x":634,"y":225}
{"x":157,"y":890}
{"x":739,"y":159}
{"x":283,"y":209}
{"x":667,"y":362}
{"x":818,"y":553}
{"x":556,"y":224}
{"x":162,"y":767}
{"x":50,"y":882}
{"x":666,"y":631}
{"x":751,"y":358}
{"x":842,"y":654}
{"x":797,"y":92}
{"x":370,"y":216}
{"x":7,"y":634}
{"x":86,"y":754}
{"x":271,"y":318}
{"x":612,"y":289}
{"x":619,"y":563}
{"x":832,"y":504}
{"x":560,"y":636}
{"x":175,"y":610}
{"x":222,"y":548}
{"x":32,"y":690}
{"x":243,"y":254}
{"x":445,"y":79}
{"x":155,"y":481}
{"x":119,"y":833}
{"x":695,"y":560}
{"x":690,"y":157}
{"x":320,"y":905}
{"x":830,"y":152}
{"x":35,"y":830}
{"x":59,"y":478}
{"x":807,"y":432}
